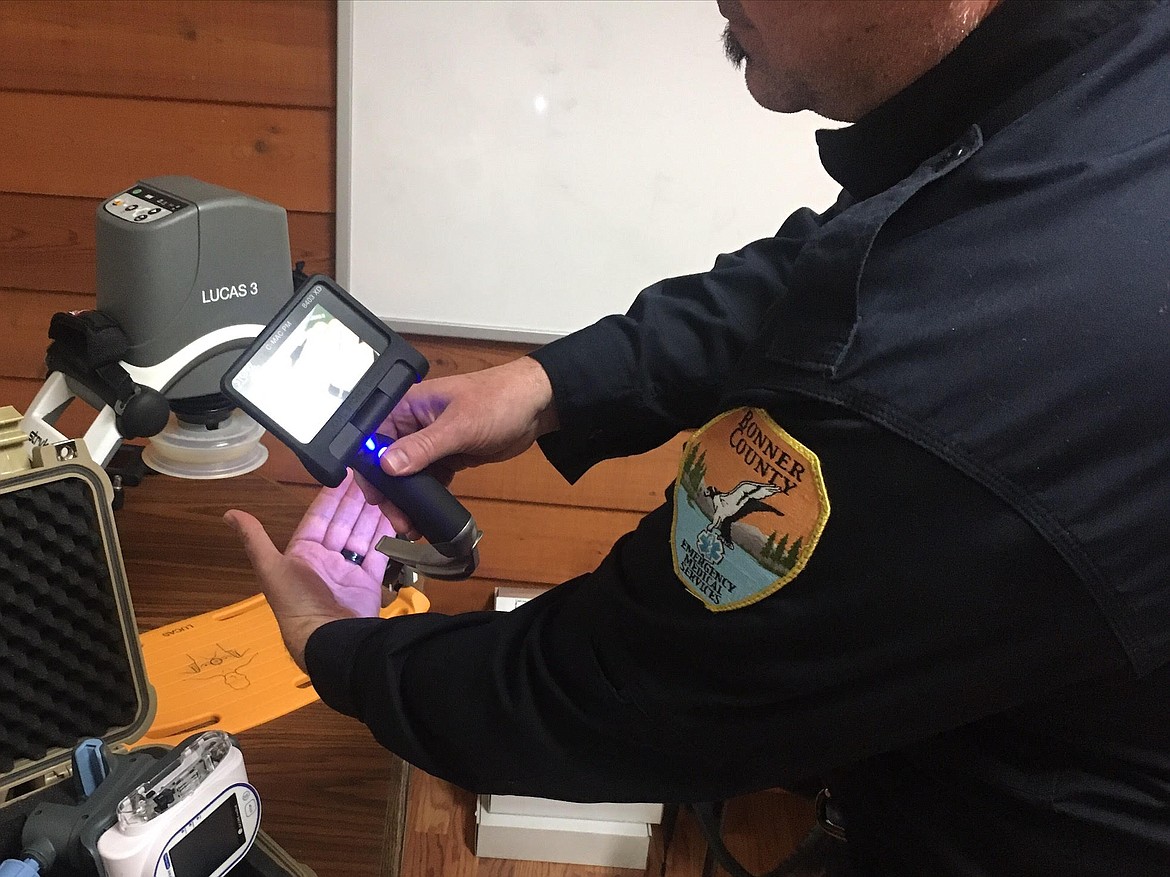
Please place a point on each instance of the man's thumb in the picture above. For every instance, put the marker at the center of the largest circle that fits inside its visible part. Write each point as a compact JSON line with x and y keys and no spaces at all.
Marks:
{"x":413,"y":453}
{"x":257,"y":545}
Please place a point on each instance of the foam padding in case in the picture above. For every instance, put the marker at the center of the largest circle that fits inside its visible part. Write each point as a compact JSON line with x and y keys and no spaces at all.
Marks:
{"x":229,"y":669}
{"x":64,"y":667}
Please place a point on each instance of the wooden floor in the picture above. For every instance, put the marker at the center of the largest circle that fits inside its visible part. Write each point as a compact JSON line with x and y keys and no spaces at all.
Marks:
{"x":440,"y":830}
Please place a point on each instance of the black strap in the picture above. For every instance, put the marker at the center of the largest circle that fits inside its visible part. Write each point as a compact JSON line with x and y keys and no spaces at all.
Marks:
{"x":88,"y":346}
{"x":298,"y":276}
{"x":93,"y":337}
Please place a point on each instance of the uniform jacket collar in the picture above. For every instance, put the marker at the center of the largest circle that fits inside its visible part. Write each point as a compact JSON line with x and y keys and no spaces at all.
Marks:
{"x":1016,"y":43}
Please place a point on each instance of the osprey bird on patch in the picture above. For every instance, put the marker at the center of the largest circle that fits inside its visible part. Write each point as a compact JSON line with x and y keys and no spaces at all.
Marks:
{"x":743,"y":499}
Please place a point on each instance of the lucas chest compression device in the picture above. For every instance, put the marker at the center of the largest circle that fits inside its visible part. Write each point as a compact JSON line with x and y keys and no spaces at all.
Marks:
{"x":189,"y":274}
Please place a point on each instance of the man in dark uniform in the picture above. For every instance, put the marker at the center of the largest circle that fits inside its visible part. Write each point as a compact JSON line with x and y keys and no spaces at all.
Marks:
{"x":918,"y":538}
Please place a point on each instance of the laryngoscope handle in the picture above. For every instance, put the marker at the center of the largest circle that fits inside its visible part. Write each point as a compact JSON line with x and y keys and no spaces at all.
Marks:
{"x":434,"y":511}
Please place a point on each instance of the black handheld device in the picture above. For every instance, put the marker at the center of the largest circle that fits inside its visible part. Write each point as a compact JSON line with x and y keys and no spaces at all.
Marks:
{"x":322,"y":376}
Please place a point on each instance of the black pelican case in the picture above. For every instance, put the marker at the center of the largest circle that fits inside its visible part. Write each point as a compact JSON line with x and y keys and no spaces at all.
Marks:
{"x":70,"y":662}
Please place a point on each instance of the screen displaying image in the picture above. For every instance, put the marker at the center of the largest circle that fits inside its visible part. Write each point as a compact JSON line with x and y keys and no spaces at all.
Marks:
{"x":305,"y":371}
{"x":211,"y":843}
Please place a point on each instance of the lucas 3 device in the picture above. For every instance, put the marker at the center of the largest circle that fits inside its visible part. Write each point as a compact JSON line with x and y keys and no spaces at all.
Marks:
{"x":322,"y":376}
{"x":187,"y":274}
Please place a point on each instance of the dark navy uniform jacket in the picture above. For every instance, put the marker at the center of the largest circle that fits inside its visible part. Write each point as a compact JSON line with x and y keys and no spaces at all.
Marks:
{"x":975,"y":342}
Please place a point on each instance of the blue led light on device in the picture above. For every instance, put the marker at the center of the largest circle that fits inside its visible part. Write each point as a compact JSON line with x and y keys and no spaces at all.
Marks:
{"x":375,"y":443}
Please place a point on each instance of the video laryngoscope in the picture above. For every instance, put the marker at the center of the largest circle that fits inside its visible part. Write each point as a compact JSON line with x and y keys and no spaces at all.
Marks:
{"x":322,"y":376}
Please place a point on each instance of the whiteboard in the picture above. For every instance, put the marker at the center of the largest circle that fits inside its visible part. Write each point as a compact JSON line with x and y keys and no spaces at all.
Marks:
{"x":517,"y":169}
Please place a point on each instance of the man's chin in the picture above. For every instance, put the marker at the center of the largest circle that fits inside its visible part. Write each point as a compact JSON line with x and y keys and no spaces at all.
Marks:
{"x":765,"y":92}
{"x":757,"y":86}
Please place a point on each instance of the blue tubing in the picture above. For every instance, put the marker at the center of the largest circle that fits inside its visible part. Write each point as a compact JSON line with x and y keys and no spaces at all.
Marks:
{"x":19,"y":868}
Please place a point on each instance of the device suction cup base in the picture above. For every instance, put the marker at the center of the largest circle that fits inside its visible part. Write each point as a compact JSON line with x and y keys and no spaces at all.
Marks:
{"x":193,"y":451}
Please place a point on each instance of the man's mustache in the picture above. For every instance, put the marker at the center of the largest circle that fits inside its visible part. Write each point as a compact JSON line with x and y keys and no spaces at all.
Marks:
{"x":732,"y":48}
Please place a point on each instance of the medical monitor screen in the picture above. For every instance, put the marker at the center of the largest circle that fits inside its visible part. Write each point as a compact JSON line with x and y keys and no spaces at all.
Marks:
{"x":210,"y":843}
{"x":306,"y":369}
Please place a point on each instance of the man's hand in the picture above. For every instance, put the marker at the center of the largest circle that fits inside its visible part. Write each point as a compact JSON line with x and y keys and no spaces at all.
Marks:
{"x":460,"y":421}
{"x":312,"y":583}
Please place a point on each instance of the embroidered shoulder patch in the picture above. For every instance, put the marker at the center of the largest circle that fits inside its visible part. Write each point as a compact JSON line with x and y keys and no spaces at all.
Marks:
{"x":749,"y":506}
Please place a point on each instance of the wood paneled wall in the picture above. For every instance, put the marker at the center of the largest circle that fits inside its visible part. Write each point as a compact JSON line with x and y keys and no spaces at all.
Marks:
{"x":98,"y":94}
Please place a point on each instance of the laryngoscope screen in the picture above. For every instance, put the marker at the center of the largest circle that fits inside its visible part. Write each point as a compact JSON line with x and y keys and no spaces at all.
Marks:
{"x":304,"y":372}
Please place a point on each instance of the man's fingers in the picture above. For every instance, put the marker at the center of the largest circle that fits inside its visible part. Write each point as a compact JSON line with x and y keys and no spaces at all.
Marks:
{"x":362,"y":535}
{"x":413,"y":453}
{"x":320,"y":512}
{"x":371,"y":493}
{"x":399,"y":522}
{"x":258,"y":546}
{"x":346,"y":514}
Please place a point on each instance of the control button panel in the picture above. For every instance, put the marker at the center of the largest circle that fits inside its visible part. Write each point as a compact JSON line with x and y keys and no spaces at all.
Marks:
{"x":143,"y":204}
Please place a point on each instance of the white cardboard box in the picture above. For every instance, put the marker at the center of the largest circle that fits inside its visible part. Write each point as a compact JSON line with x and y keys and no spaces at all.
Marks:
{"x":508,"y":598}
{"x":556,"y":839}
{"x":518,"y":805}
